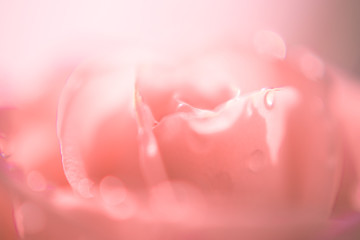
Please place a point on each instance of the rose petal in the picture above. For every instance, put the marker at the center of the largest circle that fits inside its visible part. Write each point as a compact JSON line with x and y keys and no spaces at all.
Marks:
{"x":97,"y":127}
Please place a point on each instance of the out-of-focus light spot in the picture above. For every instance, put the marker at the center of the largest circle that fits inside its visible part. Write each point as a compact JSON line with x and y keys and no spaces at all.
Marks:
{"x":270,"y":43}
{"x":151,"y":148}
{"x":311,"y":66}
{"x":112,"y":190}
{"x":119,"y":204}
{"x":30,"y":219}
{"x":36,"y":181}
{"x":123,"y":210}
{"x":256,"y":161}
{"x":65,"y":198}
{"x":84,"y":188}
{"x":269,"y":99}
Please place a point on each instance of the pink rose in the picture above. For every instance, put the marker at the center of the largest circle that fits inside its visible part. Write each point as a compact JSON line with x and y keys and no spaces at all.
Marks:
{"x":230,"y":143}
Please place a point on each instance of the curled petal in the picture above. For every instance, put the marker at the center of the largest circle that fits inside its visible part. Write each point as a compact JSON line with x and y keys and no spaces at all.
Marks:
{"x":96,"y":125}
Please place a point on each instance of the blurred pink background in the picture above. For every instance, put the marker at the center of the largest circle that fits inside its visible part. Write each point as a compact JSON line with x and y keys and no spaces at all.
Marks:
{"x":36,"y":34}
{"x":40,"y":37}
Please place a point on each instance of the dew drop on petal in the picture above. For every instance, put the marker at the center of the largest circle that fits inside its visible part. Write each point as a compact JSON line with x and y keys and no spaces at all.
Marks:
{"x":269,"y":99}
{"x":30,"y":219}
{"x":36,"y":181}
{"x":256,"y":161}
{"x":112,"y":190}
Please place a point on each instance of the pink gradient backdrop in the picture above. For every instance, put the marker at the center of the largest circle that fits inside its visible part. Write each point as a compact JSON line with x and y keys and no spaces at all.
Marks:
{"x":34,"y":32}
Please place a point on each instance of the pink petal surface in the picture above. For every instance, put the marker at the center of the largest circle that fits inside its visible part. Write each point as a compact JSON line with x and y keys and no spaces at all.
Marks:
{"x":245,"y":152}
{"x":234,"y":139}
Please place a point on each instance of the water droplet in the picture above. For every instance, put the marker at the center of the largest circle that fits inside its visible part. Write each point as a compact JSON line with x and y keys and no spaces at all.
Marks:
{"x":269,"y":99}
{"x":112,"y":190}
{"x":30,"y":218}
{"x":256,"y":161}
{"x":36,"y":181}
